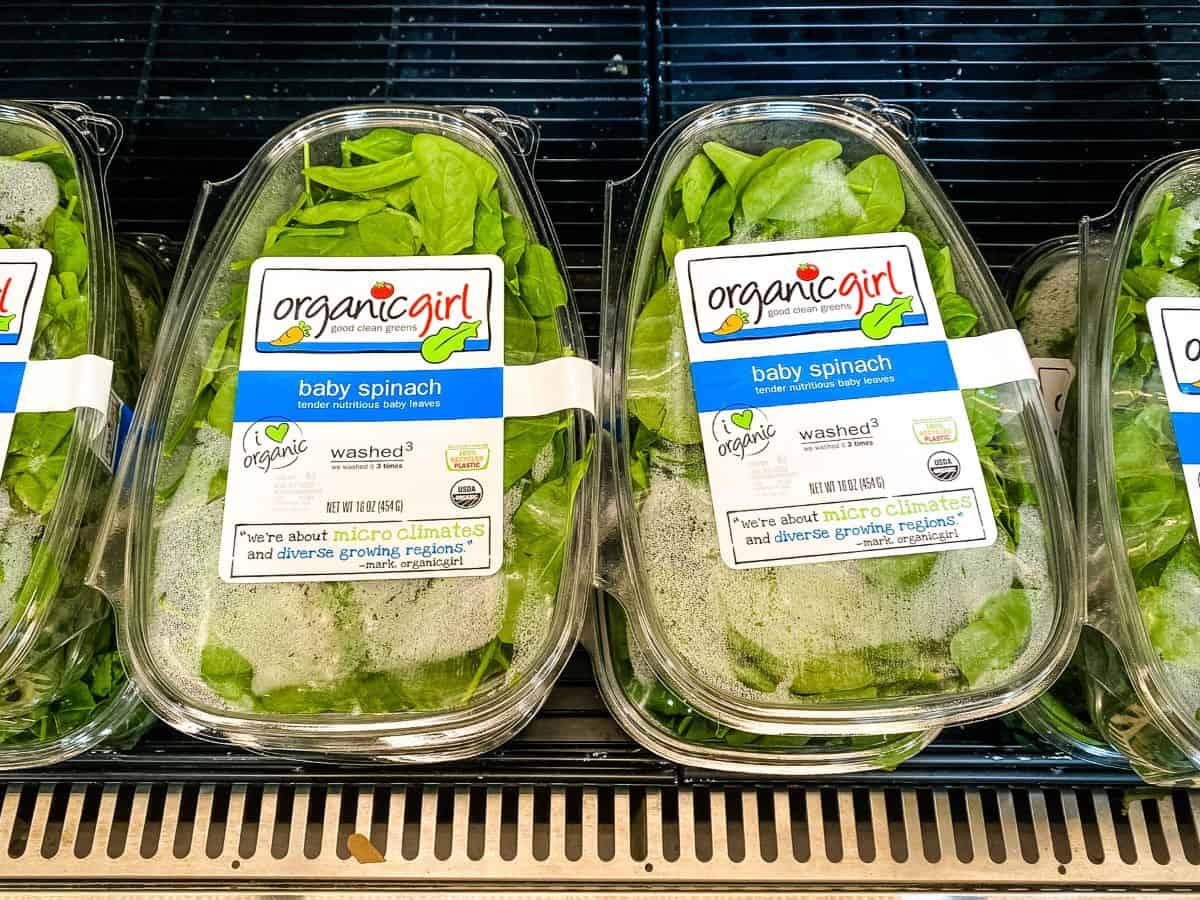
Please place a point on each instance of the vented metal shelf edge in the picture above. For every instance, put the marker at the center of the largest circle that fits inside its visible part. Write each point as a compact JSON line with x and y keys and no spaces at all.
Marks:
{"x":929,"y":839}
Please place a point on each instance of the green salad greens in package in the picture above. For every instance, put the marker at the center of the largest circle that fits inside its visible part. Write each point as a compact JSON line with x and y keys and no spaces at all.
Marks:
{"x":1043,"y":287}
{"x":1139,"y":467}
{"x":839,"y":503}
{"x":659,"y":720}
{"x":63,"y":687}
{"x":358,"y":520}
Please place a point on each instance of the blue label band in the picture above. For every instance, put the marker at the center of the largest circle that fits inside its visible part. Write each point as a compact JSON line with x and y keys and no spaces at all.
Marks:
{"x":324,"y":396}
{"x":11,"y":376}
{"x":822,"y":376}
{"x":1187,"y":436}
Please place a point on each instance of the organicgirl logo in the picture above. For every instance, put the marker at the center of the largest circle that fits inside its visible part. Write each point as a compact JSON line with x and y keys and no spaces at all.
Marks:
{"x":432,"y":310}
{"x":272,"y":444}
{"x":763,"y":293}
{"x":742,"y":432}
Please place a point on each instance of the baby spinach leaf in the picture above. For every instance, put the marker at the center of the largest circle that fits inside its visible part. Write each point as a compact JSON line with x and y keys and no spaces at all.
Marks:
{"x":958,"y":315}
{"x":429,"y":147}
{"x":836,"y":674}
{"x":754,"y":665}
{"x":372,"y":177}
{"x":226,"y":671}
{"x":389,"y":232}
{"x":520,"y":332}
{"x":994,"y":638}
{"x":733,"y":164}
{"x":658,"y":385}
{"x":515,"y":242}
{"x":524,"y":440}
{"x":1172,"y":238}
{"x":898,"y":573}
{"x":378,"y":145}
{"x":338,"y":211}
{"x":716,"y":215}
{"x":445,"y":197}
{"x":489,"y":229}
{"x":542,"y":286}
{"x":541,"y":527}
{"x":876,"y":181}
{"x":696,"y":184}
{"x":787,"y":188}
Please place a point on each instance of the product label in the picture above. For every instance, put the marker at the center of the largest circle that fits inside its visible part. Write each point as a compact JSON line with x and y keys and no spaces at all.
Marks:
{"x":57,"y":385}
{"x":830,"y":401}
{"x":1175,"y":327}
{"x":368,"y":430}
{"x":1055,"y":377}
{"x":110,"y":443}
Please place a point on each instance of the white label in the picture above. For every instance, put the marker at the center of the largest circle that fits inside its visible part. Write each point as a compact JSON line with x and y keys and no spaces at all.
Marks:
{"x":368,"y":434}
{"x":832,"y":416}
{"x":1055,"y":377}
{"x":1175,"y":327}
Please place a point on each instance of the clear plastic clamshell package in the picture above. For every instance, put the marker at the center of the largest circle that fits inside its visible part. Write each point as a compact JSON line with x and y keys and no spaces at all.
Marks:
{"x":63,"y":375}
{"x":1139,"y":460}
{"x":838,"y":506}
{"x":1042,"y":290}
{"x":358,"y":517}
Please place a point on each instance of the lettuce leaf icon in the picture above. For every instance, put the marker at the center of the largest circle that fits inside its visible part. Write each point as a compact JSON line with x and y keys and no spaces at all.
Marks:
{"x":884,"y":318}
{"x":438,"y":347}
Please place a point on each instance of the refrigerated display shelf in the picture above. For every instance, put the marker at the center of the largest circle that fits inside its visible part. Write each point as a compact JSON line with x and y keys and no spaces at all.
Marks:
{"x":1032,"y":114}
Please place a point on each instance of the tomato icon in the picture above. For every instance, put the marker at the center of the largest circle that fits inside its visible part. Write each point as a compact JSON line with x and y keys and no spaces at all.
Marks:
{"x":807,"y":272}
{"x":381,"y":290}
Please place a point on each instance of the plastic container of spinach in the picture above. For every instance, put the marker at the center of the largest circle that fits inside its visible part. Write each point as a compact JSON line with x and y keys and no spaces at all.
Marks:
{"x":1042,"y":289}
{"x":97,"y":705}
{"x":404,"y":669}
{"x":56,"y":475}
{"x":1140,"y":269}
{"x":660,"y":721}
{"x":760,"y":196}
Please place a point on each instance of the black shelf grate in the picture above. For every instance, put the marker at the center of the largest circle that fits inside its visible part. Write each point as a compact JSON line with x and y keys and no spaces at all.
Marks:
{"x":1032,"y":114}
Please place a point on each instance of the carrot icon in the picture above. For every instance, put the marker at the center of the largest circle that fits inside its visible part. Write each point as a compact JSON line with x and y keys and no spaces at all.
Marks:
{"x":293,"y":335}
{"x":735,"y":322}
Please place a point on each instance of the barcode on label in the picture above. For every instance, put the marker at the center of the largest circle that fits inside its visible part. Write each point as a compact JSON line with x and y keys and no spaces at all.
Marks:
{"x":847,"y":485}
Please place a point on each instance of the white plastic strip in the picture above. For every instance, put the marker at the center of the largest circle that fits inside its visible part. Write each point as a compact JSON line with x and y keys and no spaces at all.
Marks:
{"x":58,"y":385}
{"x":990,"y":359}
{"x":546,"y":387}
